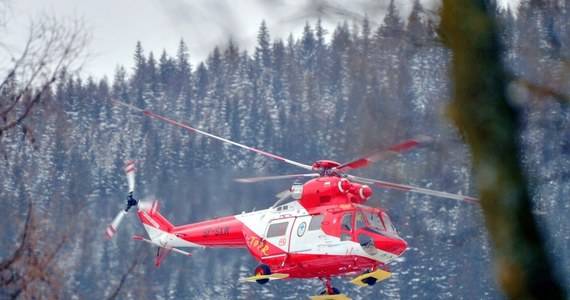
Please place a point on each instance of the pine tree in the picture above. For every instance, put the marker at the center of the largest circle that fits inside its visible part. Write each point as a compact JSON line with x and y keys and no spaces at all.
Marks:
{"x":139,"y":78}
{"x":153,"y":76}
{"x":321,"y":58}
{"x":120,"y":89}
{"x":339,"y":45}
{"x":167,"y":72}
{"x":231,"y":56}
{"x":202,"y":81}
{"x":307,"y":53}
{"x":415,"y":28}
{"x":183,"y":69}
{"x":264,"y":45}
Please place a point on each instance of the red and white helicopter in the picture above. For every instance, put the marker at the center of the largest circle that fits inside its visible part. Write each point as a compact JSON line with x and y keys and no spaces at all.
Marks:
{"x":318,"y":229}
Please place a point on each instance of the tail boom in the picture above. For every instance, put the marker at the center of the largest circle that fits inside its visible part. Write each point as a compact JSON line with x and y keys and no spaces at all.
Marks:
{"x":224,"y":232}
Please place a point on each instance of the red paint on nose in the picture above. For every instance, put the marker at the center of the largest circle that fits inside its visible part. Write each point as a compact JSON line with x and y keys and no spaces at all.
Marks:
{"x":395,"y":246}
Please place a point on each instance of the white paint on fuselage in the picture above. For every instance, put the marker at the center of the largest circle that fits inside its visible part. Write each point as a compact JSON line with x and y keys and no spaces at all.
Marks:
{"x":312,"y":242}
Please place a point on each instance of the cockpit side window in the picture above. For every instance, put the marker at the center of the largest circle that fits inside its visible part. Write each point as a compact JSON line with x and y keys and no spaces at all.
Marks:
{"x":346,"y":223}
{"x":359,"y":220}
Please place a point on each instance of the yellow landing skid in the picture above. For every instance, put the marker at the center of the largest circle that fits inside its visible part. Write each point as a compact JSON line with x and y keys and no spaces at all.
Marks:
{"x":275,"y":276}
{"x":378,"y":274}
{"x":330,"y":297}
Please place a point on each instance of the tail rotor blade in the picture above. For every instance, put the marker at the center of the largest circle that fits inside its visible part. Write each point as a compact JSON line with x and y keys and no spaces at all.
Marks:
{"x":130,"y":170}
{"x":115,"y":224}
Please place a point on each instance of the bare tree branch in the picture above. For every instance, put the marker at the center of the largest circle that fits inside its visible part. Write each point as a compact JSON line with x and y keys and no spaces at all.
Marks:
{"x":125,"y":276}
{"x":52,"y":47}
{"x":19,"y":251}
{"x":34,"y":262}
{"x":543,"y":91}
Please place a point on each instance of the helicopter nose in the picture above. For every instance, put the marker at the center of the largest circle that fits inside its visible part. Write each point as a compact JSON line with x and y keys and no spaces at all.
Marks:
{"x":396,"y":246}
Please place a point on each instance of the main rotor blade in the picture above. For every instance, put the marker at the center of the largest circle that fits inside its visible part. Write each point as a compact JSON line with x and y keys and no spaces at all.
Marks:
{"x":266,"y":178}
{"x":413,"y":189}
{"x":383,"y":153}
{"x":151,"y":114}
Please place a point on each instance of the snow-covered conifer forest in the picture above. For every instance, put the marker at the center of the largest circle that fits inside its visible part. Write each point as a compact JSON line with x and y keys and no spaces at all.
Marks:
{"x":326,"y":94}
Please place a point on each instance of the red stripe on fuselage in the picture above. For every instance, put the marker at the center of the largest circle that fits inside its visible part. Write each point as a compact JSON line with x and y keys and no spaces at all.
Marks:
{"x":223,"y":232}
{"x":322,"y":265}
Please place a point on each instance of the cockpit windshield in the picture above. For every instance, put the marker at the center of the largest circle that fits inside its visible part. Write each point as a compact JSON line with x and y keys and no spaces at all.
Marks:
{"x":375,"y":221}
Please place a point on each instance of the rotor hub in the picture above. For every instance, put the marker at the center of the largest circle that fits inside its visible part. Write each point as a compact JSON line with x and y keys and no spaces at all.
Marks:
{"x":326,"y":167}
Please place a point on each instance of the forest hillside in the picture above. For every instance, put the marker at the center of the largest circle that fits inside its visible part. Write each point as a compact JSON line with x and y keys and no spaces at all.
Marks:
{"x":321,"y":95}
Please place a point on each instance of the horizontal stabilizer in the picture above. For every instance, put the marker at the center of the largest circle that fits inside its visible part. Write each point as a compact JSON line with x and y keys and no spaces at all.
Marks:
{"x":379,"y":275}
{"x":275,"y":276}
{"x":140,"y":238}
{"x":330,"y":297}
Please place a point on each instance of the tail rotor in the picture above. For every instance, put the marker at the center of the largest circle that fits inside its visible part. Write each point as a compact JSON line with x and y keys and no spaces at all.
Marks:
{"x":131,"y":201}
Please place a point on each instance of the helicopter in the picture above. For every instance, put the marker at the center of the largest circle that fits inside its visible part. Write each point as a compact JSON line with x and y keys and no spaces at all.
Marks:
{"x":321,"y":228}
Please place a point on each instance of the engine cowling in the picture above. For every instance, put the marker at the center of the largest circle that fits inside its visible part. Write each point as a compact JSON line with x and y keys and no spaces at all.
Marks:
{"x":360,"y":193}
{"x":330,"y":190}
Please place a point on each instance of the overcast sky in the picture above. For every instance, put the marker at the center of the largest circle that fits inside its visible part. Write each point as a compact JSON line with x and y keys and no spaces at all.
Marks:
{"x":117,"y":25}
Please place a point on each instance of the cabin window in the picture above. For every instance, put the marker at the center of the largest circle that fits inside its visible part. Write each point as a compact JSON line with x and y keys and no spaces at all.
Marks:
{"x":359,"y":220}
{"x":346,"y":223}
{"x":316,"y":222}
{"x":277,"y":229}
